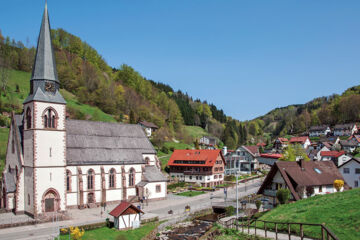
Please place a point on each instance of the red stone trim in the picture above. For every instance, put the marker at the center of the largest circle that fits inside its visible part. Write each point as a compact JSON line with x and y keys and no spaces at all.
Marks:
{"x":57,"y":203}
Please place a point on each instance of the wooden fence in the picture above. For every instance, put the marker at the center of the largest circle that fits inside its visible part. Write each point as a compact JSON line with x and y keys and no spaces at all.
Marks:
{"x":246,"y":224}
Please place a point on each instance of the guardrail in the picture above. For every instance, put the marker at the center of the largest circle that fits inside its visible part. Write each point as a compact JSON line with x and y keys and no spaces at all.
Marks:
{"x":326,"y":233}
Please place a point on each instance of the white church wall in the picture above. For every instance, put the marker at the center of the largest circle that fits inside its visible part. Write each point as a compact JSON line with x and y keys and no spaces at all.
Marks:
{"x":50,"y":148}
{"x":47,"y":178}
{"x":113,"y":195}
{"x":28,"y":148}
{"x":28,"y":189}
{"x":152,"y":190}
{"x":40,"y":107}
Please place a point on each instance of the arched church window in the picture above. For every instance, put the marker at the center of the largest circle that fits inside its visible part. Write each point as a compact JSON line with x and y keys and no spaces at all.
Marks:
{"x":28,"y":199}
{"x":68,"y":181}
{"x":90,"y":180}
{"x":131,"y":177}
{"x":147,"y":160}
{"x":12,"y":145}
{"x":9,"y":169}
{"x":49,"y":118}
{"x":28,"y":118}
{"x":16,"y":172}
{"x":112,"y":178}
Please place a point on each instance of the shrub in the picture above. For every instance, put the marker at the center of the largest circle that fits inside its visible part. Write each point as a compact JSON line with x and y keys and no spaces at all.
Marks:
{"x":309,"y":191}
{"x":338,"y":184}
{"x":258,"y":204}
{"x":164,"y":149}
{"x":172,"y":149}
{"x":76,"y":233}
{"x":230,"y":210}
{"x":283,"y":195}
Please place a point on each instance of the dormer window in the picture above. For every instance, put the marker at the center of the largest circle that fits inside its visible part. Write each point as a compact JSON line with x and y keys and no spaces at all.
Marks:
{"x":49,"y":118}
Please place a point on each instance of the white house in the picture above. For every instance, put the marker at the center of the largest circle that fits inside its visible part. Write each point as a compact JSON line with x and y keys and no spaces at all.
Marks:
{"x":53,"y":163}
{"x":350,"y":170}
{"x":337,"y":157}
{"x":303,"y":141}
{"x":244,"y":160}
{"x":345,"y":129}
{"x":148,"y":127}
{"x":126,"y":216}
{"x":316,"y":131}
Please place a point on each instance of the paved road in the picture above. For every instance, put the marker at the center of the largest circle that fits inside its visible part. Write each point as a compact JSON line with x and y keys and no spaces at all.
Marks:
{"x":158,"y":208}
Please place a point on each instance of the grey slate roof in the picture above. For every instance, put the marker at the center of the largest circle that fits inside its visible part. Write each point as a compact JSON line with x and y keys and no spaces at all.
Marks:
{"x":318,"y":128}
{"x":39,"y":95}
{"x":10,"y":182}
{"x":348,"y":143}
{"x":96,"y":143}
{"x":44,"y":65}
{"x":153,"y":174}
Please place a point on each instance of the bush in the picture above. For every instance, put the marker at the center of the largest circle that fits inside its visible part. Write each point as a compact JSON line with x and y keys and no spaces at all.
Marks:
{"x":165,"y":149}
{"x":231,"y":178}
{"x":309,"y":191}
{"x":172,"y":149}
{"x":283,"y":195}
{"x":230,"y":210}
{"x":338,"y":184}
{"x":258,"y":204}
{"x":4,"y":121}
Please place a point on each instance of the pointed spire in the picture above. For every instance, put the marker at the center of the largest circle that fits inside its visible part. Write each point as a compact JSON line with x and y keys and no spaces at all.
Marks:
{"x":44,"y":64}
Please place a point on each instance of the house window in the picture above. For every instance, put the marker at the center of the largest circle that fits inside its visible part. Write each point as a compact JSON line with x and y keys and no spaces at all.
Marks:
{"x":68,"y":181}
{"x":357,"y":170}
{"x":90,"y":180}
{"x":112,"y":178}
{"x":200,"y":177}
{"x":320,"y":188}
{"x":131,"y":177}
{"x":190,"y":177}
{"x":215,"y":176}
{"x":356,"y":184}
{"x":158,"y":188}
{"x":28,"y":118}
{"x":346,"y":170}
{"x":49,"y":118}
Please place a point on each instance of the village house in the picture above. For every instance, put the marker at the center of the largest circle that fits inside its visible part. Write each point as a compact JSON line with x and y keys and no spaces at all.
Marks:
{"x":345,"y":129}
{"x":267,"y":160}
{"x":54,"y":163}
{"x":349,"y":146}
{"x":303,"y":141}
{"x":299,"y":176}
{"x":243,"y":160}
{"x":126,"y":216}
{"x":337,"y":157}
{"x":204,"y":166}
{"x":355,"y":138}
{"x":148,"y":127}
{"x":207,"y":141}
{"x":350,"y":170}
{"x":281,"y":143}
{"x":317,"y":131}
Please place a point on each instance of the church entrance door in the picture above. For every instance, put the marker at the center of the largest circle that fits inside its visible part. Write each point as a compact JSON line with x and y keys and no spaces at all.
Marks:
{"x":49,"y":205}
{"x":50,"y":201}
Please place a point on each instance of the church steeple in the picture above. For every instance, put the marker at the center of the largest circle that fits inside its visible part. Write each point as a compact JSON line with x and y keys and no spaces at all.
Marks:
{"x":44,"y":65}
{"x":44,"y":82}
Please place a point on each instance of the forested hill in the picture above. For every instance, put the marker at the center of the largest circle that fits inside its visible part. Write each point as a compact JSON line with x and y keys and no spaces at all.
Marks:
{"x":296,"y":119}
{"x":120,"y":92}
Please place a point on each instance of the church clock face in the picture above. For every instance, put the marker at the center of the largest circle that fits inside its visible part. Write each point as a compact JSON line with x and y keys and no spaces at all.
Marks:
{"x":50,"y":87}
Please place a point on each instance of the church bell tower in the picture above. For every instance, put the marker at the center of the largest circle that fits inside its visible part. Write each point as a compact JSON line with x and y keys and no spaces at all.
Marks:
{"x":44,"y":132}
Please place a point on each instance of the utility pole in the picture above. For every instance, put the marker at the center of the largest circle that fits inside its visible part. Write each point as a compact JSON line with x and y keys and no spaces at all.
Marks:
{"x":237,"y":202}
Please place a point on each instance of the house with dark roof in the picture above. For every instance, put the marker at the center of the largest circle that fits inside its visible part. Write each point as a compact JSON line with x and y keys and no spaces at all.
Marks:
{"x":201,"y":166}
{"x":207,"y":141}
{"x":54,"y":163}
{"x":243,"y":160}
{"x":316,"y":131}
{"x":148,"y":127}
{"x":300,"y":176}
{"x":350,"y":171}
{"x":349,"y":146}
{"x":345,"y":129}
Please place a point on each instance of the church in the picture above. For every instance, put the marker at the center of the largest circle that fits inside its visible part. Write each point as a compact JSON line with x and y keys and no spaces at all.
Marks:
{"x":54,"y":163}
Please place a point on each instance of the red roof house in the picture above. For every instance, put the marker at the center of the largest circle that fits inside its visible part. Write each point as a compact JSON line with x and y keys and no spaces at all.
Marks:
{"x":126,"y":216}
{"x":204,"y":166}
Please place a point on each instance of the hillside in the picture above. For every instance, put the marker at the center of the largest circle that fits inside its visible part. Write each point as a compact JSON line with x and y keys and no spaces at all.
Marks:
{"x":339,"y":211}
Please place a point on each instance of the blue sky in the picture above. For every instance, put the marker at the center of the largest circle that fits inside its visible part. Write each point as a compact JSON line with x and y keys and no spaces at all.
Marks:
{"x":246,"y":57}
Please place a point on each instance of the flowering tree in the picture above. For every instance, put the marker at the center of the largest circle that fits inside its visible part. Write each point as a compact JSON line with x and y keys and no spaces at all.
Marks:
{"x":338,"y":184}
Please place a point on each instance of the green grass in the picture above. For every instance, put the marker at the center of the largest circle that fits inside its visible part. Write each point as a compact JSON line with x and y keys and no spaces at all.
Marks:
{"x":190,"y":193}
{"x":196,"y":132}
{"x":4,"y":134}
{"x":164,"y":157}
{"x":106,"y":233}
{"x":339,"y":211}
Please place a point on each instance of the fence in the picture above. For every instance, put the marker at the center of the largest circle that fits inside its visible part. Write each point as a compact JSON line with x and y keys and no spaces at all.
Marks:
{"x":272,"y":226}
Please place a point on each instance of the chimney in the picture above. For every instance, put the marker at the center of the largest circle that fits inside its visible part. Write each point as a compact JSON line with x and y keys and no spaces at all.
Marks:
{"x":224,"y":150}
{"x":302,"y":164}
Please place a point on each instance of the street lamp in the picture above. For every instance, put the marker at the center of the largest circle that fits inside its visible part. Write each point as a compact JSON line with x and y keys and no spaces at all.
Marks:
{"x":237,"y":201}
